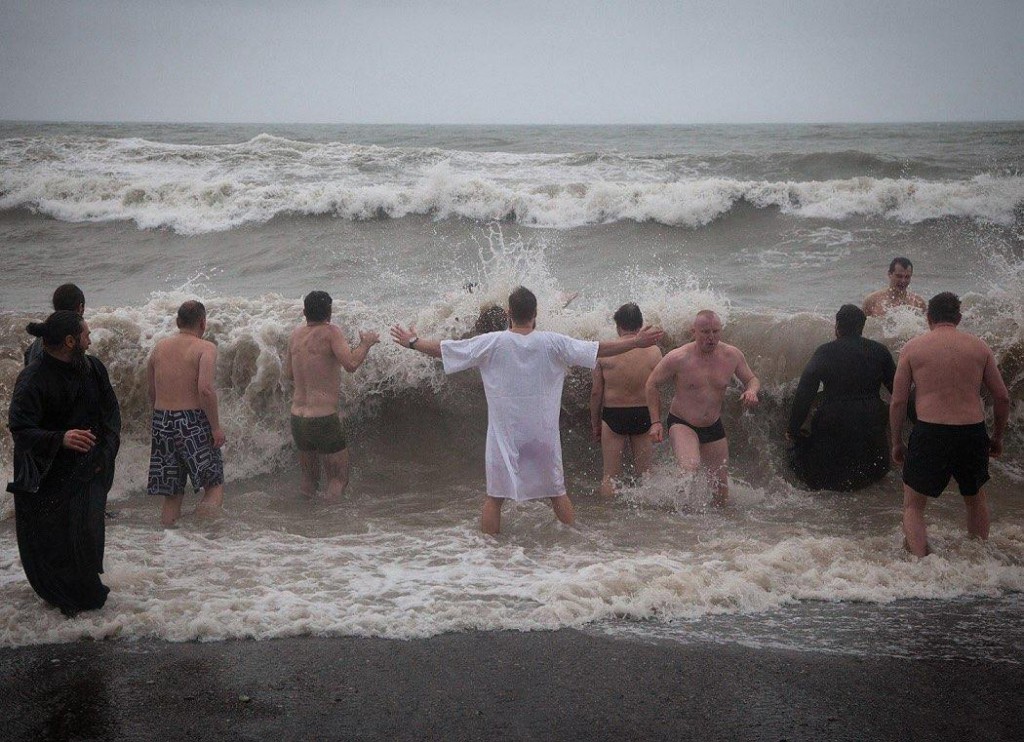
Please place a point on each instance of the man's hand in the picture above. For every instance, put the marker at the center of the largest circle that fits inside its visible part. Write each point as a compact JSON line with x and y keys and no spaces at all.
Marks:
{"x":218,"y":437}
{"x":595,"y":431}
{"x":649,"y":336}
{"x":749,"y":398}
{"x":81,"y":441}
{"x":899,"y":453}
{"x":657,"y":432}
{"x":402,"y":336}
{"x":368,"y":338}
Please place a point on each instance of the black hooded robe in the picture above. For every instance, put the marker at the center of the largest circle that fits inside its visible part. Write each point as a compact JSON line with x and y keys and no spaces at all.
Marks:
{"x":60,"y":495}
{"x":848,"y":447}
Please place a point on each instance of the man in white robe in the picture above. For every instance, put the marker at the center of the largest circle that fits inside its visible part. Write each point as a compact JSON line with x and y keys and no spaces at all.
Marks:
{"x":523,"y":370}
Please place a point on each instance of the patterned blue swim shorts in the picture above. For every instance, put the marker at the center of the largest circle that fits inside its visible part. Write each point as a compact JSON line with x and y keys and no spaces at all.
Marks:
{"x":183,"y":449}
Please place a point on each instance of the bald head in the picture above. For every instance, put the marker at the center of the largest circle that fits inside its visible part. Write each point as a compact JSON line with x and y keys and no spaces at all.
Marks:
{"x":707,"y":330}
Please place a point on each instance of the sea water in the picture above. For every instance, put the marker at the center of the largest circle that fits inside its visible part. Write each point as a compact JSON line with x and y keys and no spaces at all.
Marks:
{"x":773,"y":227}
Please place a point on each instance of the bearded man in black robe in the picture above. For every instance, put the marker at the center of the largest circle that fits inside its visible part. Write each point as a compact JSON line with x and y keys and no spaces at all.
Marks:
{"x":66,"y":425}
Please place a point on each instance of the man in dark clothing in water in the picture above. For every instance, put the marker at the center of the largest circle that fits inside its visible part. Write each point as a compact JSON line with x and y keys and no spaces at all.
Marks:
{"x":66,"y":425}
{"x":847,"y":448}
{"x":67,"y":296}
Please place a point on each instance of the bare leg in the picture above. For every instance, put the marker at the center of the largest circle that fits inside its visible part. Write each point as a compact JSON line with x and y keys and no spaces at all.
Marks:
{"x":686,"y":448}
{"x":563,"y":509}
{"x":210,"y":505}
{"x":336,"y":467}
{"x":977,"y":516}
{"x":915,"y":533}
{"x":171,"y":510}
{"x":612,"y":445}
{"x":714,"y":457}
{"x":490,"y":518}
{"x":643,"y":452}
{"x":309,"y":473}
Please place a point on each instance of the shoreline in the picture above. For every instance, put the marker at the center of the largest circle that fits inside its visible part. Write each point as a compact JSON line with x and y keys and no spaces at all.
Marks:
{"x":563,"y":684}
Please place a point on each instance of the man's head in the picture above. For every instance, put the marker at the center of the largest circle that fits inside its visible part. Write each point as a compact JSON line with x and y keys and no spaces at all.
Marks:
{"x":707,"y":330}
{"x":316,"y":307}
{"x":522,"y":306}
{"x":69,"y":297}
{"x":850,"y":321}
{"x":900,"y":272}
{"x":65,"y":334}
{"x":192,"y":316}
{"x":944,"y":307}
{"x":628,"y":318}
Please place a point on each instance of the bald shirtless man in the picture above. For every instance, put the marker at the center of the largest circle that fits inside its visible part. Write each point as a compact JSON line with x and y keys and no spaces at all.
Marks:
{"x":700,"y":372}
{"x":317,"y":351}
{"x":187,"y":436}
{"x":949,"y":440}
{"x":618,"y":403}
{"x":897,"y":294}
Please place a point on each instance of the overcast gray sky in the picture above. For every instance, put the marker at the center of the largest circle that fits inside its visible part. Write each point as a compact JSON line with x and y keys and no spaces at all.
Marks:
{"x":511,"y":61}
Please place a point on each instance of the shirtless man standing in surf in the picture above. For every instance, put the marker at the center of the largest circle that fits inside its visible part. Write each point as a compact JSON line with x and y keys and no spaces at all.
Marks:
{"x":700,"y":372}
{"x":949,"y":440}
{"x":317,"y":351}
{"x":877,"y":303}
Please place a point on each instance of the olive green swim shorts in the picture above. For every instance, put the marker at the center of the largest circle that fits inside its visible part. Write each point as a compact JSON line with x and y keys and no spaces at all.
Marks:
{"x":318,"y":434}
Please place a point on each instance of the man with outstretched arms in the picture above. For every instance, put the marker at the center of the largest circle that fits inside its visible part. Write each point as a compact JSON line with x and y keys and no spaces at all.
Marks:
{"x":948,"y":367}
{"x":618,"y":403}
{"x":317,"y":351}
{"x":523,"y":370}
{"x":187,"y":436}
{"x":897,"y":294}
{"x":700,"y":372}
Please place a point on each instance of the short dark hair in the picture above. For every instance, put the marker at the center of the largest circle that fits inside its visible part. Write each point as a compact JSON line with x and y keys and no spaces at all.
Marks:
{"x":191,"y":313}
{"x":522,"y":306}
{"x":57,"y":326}
{"x":316,"y":307}
{"x":68,"y":297}
{"x":905,"y":262}
{"x":850,"y":321}
{"x":944,"y":307}
{"x":628,"y":317}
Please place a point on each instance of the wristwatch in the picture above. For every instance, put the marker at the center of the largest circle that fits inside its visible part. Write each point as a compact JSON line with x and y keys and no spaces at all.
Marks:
{"x":412,"y":342}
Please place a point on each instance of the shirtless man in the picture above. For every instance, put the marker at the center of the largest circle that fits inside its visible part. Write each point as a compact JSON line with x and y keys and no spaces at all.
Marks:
{"x":949,"y":440}
{"x":317,"y":351}
{"x":618,"y":404}
{"x":187,"y":436}
{"x":700,"y":371}
{"x":879,"y":302}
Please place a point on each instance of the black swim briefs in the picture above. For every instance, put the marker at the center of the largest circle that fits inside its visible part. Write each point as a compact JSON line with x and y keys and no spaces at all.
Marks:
{"x":627,"y":420}
{"x":938,"y":452}
{"x":323,"y":435}
{"x":709,"y":434}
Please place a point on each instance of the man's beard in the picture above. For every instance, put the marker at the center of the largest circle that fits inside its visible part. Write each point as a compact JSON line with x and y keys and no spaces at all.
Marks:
{"x":78,"y":362}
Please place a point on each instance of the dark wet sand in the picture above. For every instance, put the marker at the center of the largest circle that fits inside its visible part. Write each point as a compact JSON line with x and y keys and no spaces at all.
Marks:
{"x":563,"y":685}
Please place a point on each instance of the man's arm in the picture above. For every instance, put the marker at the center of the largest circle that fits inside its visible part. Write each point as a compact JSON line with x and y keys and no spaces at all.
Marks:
{"x":661,"y":374}
{"x":751,"y":384}
{"x":287,"y":372}
{"x":596,"y":400}
{"x":404,"y":337}
{"x":871,"y":305}
{"x":810,"y":380}
{"x":151,"y":374}
{"x":898,"y":406}
{"x":647,"y":337}
{"x":207,"y":392}
{"x":351,"y":358}
{"x":993,"y":381}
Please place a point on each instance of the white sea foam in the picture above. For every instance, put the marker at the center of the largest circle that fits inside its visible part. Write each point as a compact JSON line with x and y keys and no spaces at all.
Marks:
{"x":197,"y":189}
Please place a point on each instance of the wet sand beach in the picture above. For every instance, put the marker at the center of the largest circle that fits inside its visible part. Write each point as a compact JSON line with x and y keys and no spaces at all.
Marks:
{"x":561,"y":685}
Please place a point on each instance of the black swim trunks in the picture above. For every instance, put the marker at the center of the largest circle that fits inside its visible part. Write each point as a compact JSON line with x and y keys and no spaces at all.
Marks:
{"x":709,"y":434}
{"x":627,"y":420}
{"x":319,"y":434}
{"x":938,"y":452}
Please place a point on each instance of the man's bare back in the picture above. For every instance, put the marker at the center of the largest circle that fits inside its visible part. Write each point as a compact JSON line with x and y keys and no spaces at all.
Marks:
{"x":626,"y":375}
{"x":175,"y":366}
{"x":316,"y":354}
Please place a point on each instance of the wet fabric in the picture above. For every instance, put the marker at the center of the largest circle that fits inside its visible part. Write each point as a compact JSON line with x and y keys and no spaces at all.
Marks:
{"x":523,"y":377}
{"x":627,"y":420}
{"x":323,"y":435}
{"x":182,"y":449}
{"x":937,"y":453}
{"x":848,"y":447}
{"x":707,"y":434}
{"x":60,"y":495}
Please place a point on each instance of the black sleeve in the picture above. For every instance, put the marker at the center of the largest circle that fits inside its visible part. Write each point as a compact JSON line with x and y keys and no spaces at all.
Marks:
{"x":888,"y":368}
{"x":111,"y":422}
{"x":806,"y":390}
{"x":34,"y":447}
